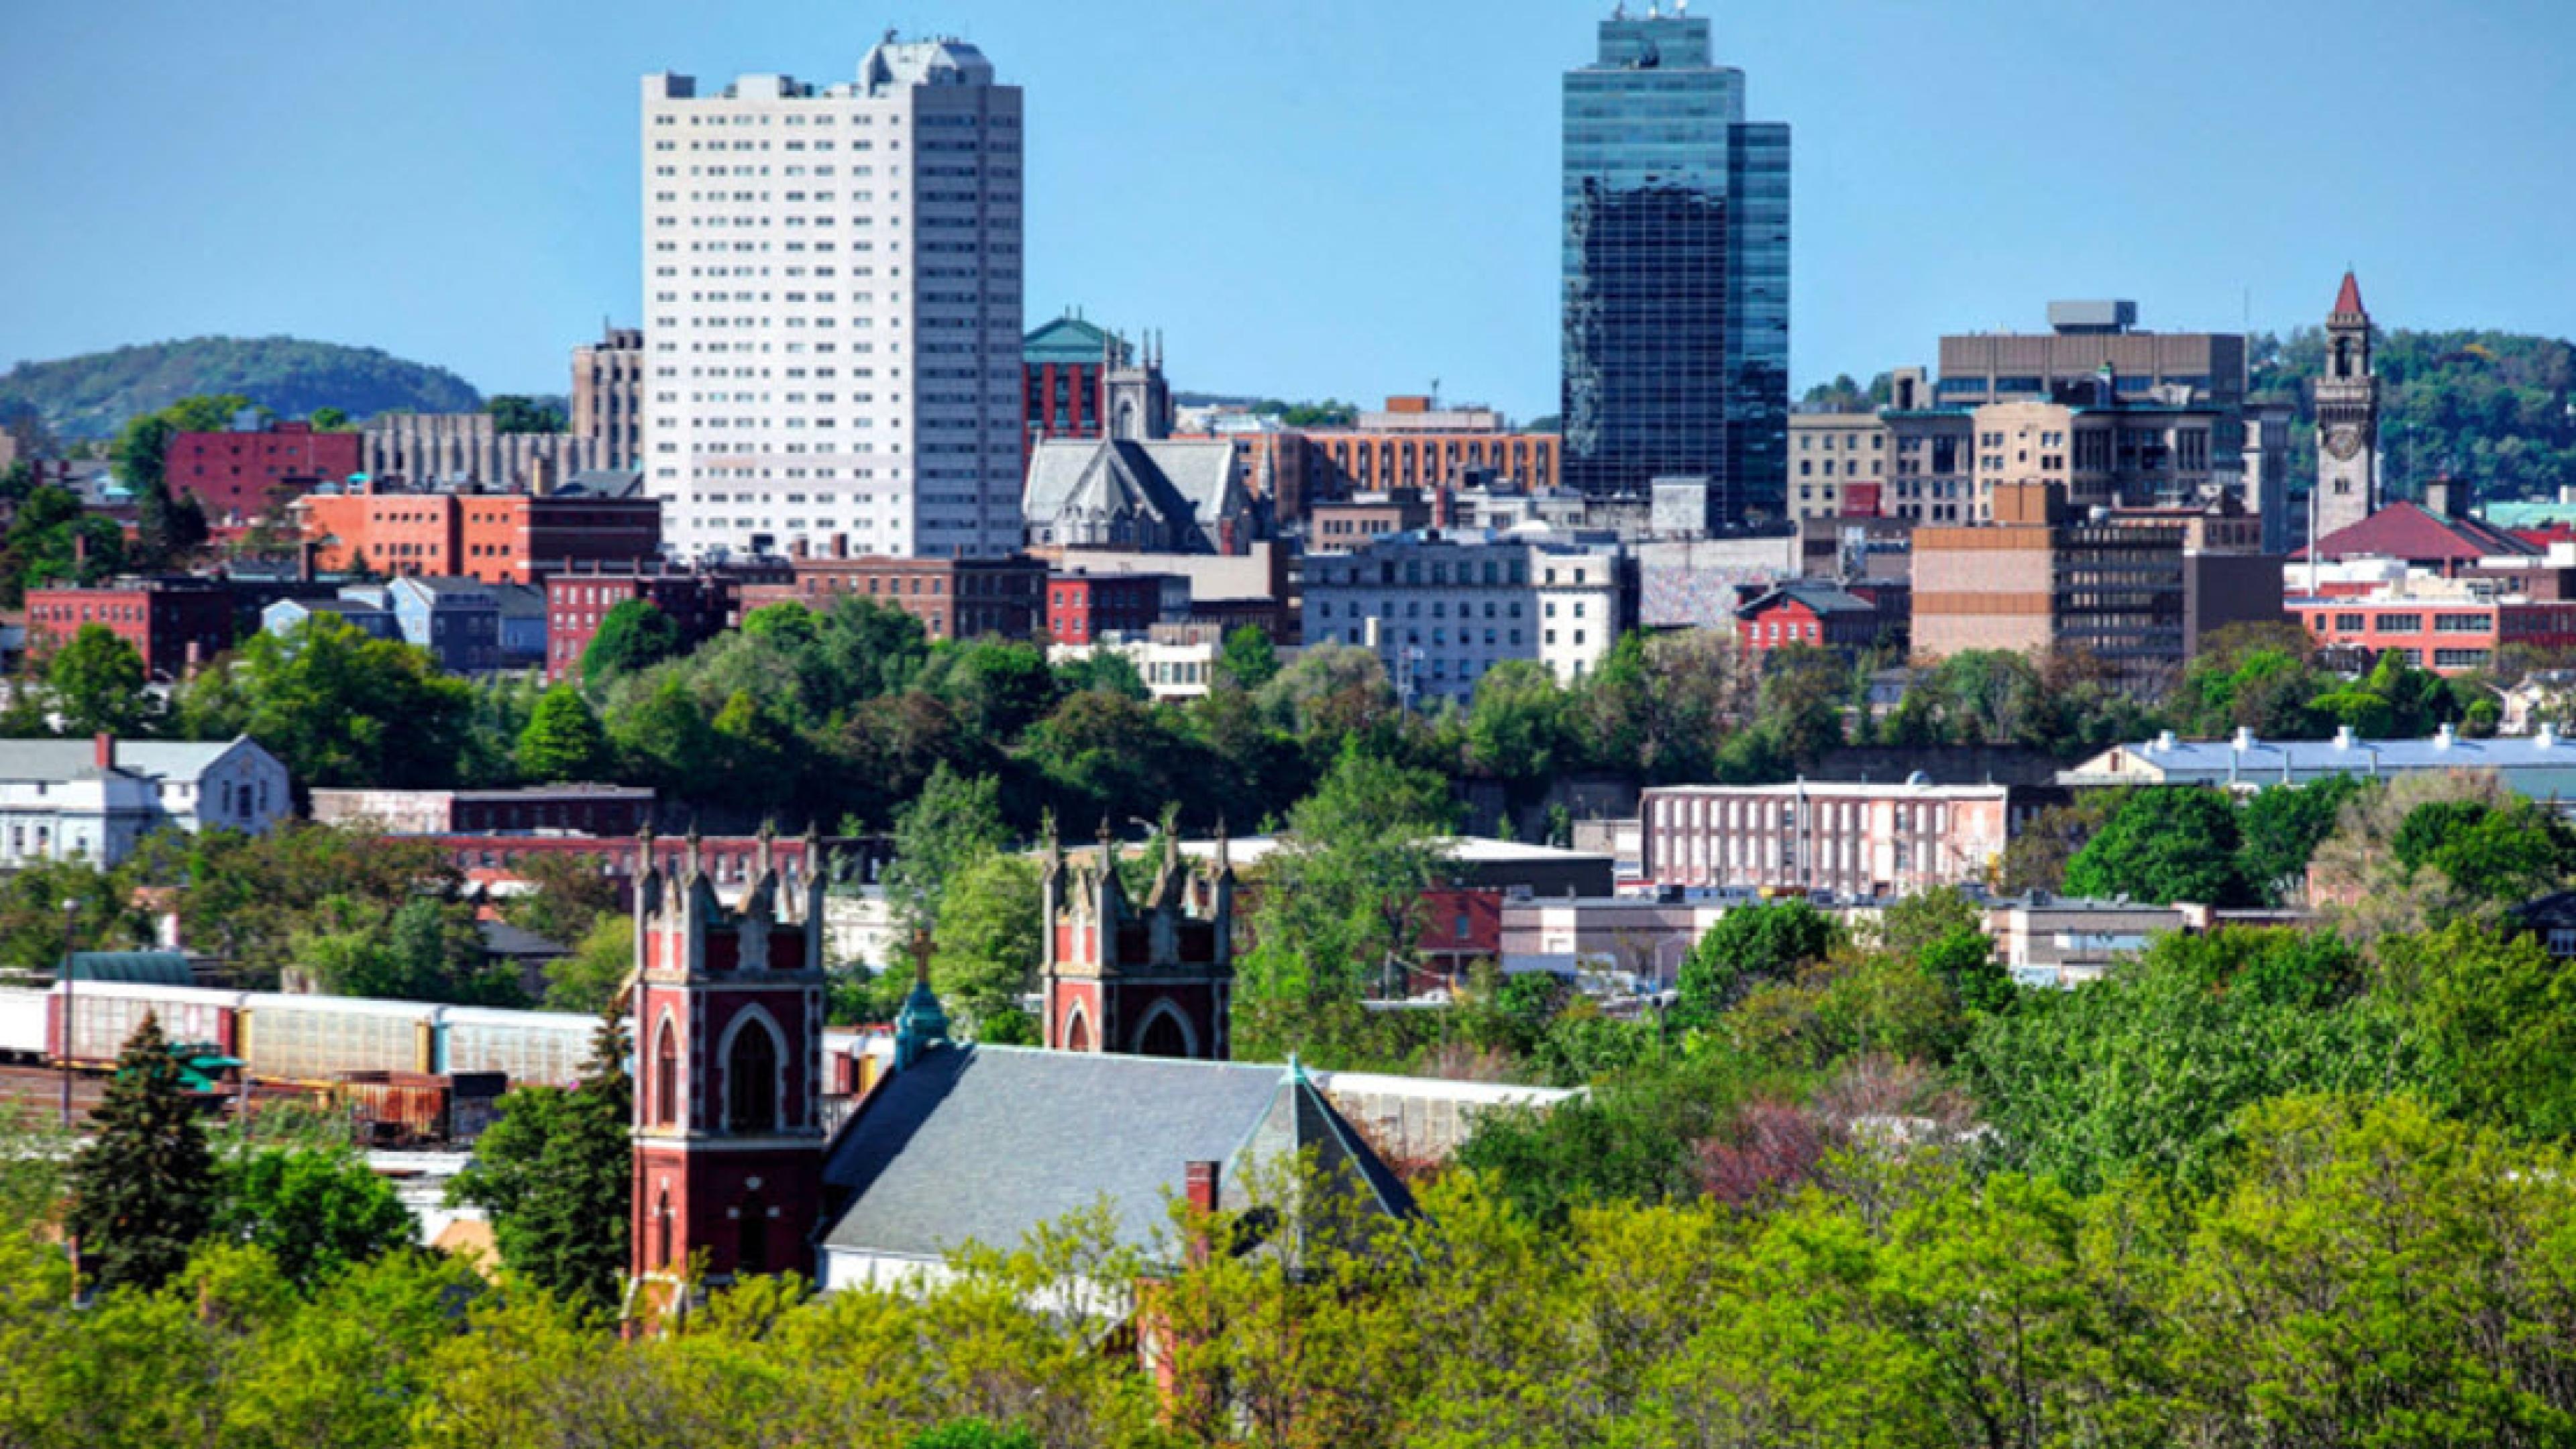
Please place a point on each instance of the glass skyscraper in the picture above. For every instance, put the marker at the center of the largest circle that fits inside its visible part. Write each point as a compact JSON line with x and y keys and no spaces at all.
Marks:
{"x":1676,"y":273}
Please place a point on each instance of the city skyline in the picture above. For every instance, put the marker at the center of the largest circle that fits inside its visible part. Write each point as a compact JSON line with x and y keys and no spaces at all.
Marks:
{"x":473,"y":205}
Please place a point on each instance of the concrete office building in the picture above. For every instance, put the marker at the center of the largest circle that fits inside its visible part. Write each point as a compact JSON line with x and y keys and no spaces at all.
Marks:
{"x":1676,"y":267}
{"x":2083,"y":339}
{"x":832,"y":283}
{"x":608,"y":395}
{"x":430,"y":449}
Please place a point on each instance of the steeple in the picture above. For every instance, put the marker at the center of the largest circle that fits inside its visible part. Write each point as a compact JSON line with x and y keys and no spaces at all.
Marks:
{"x":2348,"y":300}
{"x":922,"y":1022}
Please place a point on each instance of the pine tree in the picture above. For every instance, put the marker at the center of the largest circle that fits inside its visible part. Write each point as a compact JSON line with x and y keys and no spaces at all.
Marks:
{"x":554,"y":1173}
{"x":563,"y":740}
{"x":143,"y":1186}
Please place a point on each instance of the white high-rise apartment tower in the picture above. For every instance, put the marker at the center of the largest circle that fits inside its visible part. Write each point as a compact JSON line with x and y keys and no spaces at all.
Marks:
{"x":832,"y":309}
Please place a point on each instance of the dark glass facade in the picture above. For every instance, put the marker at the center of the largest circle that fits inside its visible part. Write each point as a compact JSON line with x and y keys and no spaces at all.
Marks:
{"x":1676,"y":322}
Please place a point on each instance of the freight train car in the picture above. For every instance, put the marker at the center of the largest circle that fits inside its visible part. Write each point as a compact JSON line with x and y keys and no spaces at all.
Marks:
{"x":311,"y":1040}
{"x":22,"y":1025}
{"x":91,"y":1022}
{"x":543,"y":1048}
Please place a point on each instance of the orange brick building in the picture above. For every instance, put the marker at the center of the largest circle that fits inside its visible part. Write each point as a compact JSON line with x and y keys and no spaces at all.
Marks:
{"x":514,"y":538}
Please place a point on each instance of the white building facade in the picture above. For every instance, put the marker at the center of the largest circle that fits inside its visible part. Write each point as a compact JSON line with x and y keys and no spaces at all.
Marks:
{"x":832,"y":289}
{"x":1442,"y":609}
{"x":97,"y":799}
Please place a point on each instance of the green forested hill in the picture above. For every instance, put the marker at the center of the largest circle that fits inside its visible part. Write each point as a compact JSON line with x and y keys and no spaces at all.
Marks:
{"x":2496,"y":408}
{"x":92,"y":396}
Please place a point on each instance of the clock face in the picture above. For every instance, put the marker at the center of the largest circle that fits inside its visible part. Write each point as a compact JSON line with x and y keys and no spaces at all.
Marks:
{"x":2344,"y":443}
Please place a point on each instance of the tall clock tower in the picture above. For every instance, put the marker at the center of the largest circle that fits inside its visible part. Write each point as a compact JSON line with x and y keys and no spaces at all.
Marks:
{"x":2347,"y":418}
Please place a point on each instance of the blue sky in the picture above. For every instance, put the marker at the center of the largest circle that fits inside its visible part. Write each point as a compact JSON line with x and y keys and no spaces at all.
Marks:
{"x":1338,"y":197}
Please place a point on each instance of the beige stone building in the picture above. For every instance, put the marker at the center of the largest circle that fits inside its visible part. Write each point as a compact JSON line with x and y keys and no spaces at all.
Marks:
{"x":1837,"y":464}
{"x":2103,"y":457}
{"x":2035,"y":577}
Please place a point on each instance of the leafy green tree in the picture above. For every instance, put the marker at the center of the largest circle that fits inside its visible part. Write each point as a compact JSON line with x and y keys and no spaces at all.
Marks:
{"x":2145,"y":1070}
{"x":2163,"y":844}
{"x":143,"y":1185}
{"x":589,"y":979}
{"x":2497,"y":1016}
{"x":316,"y":1213}
{"x":1515,"y":723}
{"x":2281,"y":828}
{"x":553,"y":1173}
{"x":975,"y":1434}
{"x":332,"y":420}
{"x":1104,"y":669}
{"x":1248,"y":659}
{"x":51,"y":539}
{"x":954,"y":823}
{"x":95,"y":683}
{"x":567,"y":897}
{"x":564,"y":739}
{"x":1748,"y":945}
{"x":634,"y":635}
{"x":515,"y":414}
{"x":337,"y":707}
{"x":1340,"y":905}
{"x":989,"y":940}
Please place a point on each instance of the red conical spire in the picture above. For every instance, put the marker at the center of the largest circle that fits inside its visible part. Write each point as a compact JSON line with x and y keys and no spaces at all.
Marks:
{"x":2348,"y":301}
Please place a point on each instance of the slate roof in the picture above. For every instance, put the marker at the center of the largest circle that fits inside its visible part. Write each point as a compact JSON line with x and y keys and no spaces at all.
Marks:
{"x":519,"y":601}
{"x":2407,"y":531}
{"x":147,"y":759}
{"x":983,"y":1143}
{"x":1187,"y":486}
{"x":1824,"y":598}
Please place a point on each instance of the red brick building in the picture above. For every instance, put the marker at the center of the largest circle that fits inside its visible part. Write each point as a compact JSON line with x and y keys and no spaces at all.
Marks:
{"x":2446,"y":632}
{"x":953,"y":598}
{"x":1461,"y":925}
{"x":1810,"y":612}
{"x":1082,"y":607}
{"x":575,"y":809}
{"x":704,"y":603}
{"x":512,"y":538}
{"x":239,"y":476}
{"x":178,"y":625}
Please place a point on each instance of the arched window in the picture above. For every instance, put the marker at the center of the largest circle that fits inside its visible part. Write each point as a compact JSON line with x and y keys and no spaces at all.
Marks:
{"x":2343,"y":357}
{"x":666,"y":1078}
{"x":751,"y":1080}
{"x":662,"y":1231}
{"x":1163,"y":1036}
{"x":1077,"y":1033}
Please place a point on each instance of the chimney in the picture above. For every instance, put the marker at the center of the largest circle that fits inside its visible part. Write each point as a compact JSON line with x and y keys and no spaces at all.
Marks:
{"x":1199,"y":1184}
{"x":103,"y":745}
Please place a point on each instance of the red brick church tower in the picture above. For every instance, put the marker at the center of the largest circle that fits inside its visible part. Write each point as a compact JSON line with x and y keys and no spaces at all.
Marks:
{"x":729,"y":1019}
{"x":1154,"y":979}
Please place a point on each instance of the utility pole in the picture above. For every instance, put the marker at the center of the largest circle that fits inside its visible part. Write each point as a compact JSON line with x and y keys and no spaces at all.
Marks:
{"x":71,"y":919}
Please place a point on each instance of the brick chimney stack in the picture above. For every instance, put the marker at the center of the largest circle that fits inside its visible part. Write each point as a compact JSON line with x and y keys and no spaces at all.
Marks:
{"x":103,"y":746}
{"x":1199,"y":1181}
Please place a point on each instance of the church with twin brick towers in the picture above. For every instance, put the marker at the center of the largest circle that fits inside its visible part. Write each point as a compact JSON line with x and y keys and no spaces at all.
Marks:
{"x":729,"y":1009}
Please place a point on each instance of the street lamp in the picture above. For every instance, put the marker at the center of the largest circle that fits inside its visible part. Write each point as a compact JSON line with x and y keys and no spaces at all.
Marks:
{"x":71,"y":919}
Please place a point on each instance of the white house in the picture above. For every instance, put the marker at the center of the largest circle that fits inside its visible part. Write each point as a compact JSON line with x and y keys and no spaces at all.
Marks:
{"x":97,"y":798}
